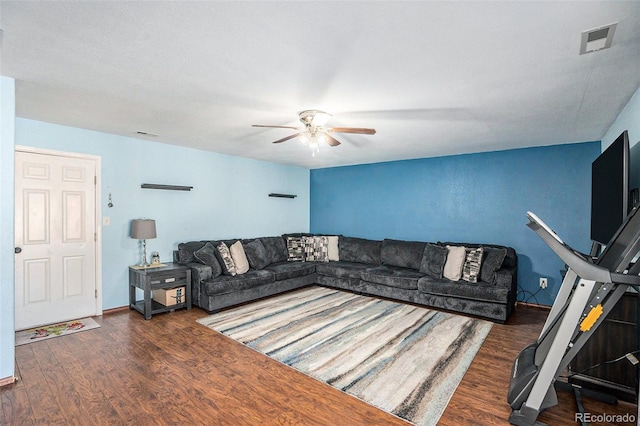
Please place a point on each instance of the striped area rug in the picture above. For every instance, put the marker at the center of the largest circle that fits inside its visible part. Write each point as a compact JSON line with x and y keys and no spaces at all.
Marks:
{"x":403,"y":359}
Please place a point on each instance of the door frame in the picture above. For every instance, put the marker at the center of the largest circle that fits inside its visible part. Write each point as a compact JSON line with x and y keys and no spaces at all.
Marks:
{"x":98,"y":210}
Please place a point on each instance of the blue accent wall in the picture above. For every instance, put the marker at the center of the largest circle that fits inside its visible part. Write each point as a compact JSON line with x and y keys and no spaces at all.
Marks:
{"x":229,"y":197}
{"x":478,"y":198}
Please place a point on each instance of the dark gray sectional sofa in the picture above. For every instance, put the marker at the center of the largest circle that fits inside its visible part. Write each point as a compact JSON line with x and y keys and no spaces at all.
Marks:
{"x":408,"y":271}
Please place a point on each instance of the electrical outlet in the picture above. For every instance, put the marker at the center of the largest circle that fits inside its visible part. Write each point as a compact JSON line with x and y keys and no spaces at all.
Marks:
{"x":543,"y":282}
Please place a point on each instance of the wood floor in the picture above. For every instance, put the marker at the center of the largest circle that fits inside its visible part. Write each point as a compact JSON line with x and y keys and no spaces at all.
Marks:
{"x":171,"y":370}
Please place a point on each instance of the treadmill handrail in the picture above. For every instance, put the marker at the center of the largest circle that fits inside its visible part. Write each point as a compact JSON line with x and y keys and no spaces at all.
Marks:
{"x":574,"y":259}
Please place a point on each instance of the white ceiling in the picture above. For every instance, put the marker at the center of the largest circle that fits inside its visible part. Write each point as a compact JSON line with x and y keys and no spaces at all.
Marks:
{"x":433,"y":78}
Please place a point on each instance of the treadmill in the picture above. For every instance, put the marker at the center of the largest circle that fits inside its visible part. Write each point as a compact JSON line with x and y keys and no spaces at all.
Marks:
{"x":588,"y":293}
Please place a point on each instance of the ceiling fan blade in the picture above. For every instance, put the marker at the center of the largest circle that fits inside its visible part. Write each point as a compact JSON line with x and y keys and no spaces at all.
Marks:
{"x":331,"y":140}
{"x":276,"y":127}
{"x":287,"y":138}
{"x":358,"y":130}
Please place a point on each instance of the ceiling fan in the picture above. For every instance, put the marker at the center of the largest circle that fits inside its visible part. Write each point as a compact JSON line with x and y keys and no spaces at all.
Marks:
{"x":314,"y":133}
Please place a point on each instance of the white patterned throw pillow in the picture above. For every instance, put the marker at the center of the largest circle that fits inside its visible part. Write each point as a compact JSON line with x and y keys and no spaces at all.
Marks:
{"x":316,"y":249}
{"x":225,"y":255}
{"x":472,"y":263}
{"x":295,"y":249}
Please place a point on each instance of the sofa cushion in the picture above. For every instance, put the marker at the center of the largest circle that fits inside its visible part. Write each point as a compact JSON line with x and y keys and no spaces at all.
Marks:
{"x":455,"y":261}
{"x":341,"y":269}
{"x":207,"y":256}
{"x":433,"y":260}
{"x":256,"y":254}
{"x":185,"y":251}
{"x":359,"y":250}
{"x":393,"y":276}
{"x":286,"y":270}
{"x":481,"y":291}
{"x":471,"y":267}
{"x":276,"y":249}
{"x":239,"y":257}
{"x":228,"y":267}
{"x":316,"y":249}
{"x":405,"y":254}
{"x":229,"y":284}
{"x":491,"y":262}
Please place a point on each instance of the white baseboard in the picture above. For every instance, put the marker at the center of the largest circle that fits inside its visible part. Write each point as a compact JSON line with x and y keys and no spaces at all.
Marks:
{"x":7,"y":381}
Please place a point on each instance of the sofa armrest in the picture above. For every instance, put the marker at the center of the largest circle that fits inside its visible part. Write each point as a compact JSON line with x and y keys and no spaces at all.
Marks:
{"x":507,"y":278}
{"x":199,"y":273}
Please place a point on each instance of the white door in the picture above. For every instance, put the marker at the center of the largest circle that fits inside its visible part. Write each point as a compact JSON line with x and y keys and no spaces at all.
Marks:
{"x":55,"y":232}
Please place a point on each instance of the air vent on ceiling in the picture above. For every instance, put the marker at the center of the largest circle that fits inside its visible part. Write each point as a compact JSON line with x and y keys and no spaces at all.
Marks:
{"x":597,"y":38}
{"x":146,"y":134}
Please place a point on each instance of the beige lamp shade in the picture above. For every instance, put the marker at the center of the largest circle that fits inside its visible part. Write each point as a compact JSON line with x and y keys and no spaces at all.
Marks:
{"x":143,"y":229}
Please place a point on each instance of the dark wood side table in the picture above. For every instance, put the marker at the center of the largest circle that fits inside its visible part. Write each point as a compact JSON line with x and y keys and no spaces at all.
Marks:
{"x":170,"y":275}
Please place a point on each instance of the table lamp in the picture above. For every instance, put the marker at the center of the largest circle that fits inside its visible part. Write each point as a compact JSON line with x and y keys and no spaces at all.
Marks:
{"x":143,"y":229}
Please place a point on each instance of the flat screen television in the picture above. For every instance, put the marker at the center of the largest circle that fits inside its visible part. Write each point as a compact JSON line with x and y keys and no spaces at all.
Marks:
{"x":610,"y":190}
{"x":634,"y":176}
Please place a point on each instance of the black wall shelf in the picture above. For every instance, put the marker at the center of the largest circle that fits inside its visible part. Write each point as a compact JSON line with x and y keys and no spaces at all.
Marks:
{"x":273,"y":194}
{"x":168,"y":187}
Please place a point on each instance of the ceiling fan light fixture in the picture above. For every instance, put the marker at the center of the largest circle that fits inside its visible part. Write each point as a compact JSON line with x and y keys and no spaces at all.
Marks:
{"x":312,"y":139}
{"x":314,"y":144}
{"x":321,"y":137}
{"x":305,"y":138}
{"x":314,"y":118}
{"x":320,"y":118}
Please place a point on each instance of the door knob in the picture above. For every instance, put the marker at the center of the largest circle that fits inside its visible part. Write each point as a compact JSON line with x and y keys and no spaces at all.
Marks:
{"x":18,"y":250}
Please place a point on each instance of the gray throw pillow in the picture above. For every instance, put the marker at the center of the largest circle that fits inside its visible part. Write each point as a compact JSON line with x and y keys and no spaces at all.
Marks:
{"x":492,"y":261}
{"x":207,"y":256}
{"x":359,"y":250}
{"x":433,"y":260}
{"x":471,"y":267}
{"x":276,"y":248}
{"x":405,"y":254}
{"x":256,"y":254}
